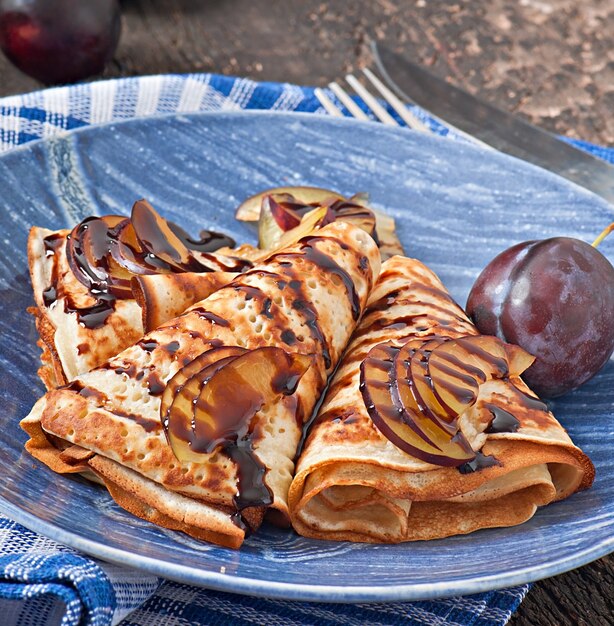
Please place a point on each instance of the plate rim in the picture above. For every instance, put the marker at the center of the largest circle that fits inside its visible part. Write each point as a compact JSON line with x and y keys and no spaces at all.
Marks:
{"x":305,"y":115}
{"x":214,"y":579}
{"x":350,"y":594}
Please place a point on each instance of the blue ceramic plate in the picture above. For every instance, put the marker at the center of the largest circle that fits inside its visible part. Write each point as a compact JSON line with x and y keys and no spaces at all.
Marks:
{"x":456,"y":206}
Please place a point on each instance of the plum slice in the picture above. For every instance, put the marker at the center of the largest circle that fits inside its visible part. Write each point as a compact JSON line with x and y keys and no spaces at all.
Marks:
{"x":458,"y":367}
{"x":179,"y":382}
{"x":416,"y":393}
{"x":310,"y":222}
{"x":104,"y":253}
{"x":158,"y":239}
{"x":249,"y":210}
{"x":355,"y":213}
{"x":439,"y":432}
{"x":286,"y":211}
{"x":87,"y":247}
{"x":518,"y":358}
{"x":405,"y":425}
{"x":181,"y":413}
{"x":214,"y":402}
{"x":419,"y":379}
{"x":127,"y":253}
{"x":278,"y":214}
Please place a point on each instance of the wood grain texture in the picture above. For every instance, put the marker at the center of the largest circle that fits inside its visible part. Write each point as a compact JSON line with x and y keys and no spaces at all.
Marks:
{"x":549,"y":60}
{"x":582,"y":597}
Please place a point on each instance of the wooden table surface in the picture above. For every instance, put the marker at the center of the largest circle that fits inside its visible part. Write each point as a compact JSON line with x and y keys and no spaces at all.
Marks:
{"x":549,"y":60}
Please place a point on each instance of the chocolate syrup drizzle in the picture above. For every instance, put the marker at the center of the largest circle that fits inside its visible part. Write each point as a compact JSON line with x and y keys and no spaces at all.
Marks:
{"x":209,"y":241}
{"x":502,"y":422}
{"x":103,"y":402}
{"x":480,"y":462}
{"x":309,"y":251}
{"x":255,"y":293}
{"x":288,"y":278}
{"x":212,"y":317}
{"x":52,"y":244}
{"x":103,"y":240}
{"x":288,"y":337}
{"x":229,"y":411}
{"x":148,"y":344}
{"x":455,"y":369}
{"x":252,"y":491}
{"x":301,"y":303}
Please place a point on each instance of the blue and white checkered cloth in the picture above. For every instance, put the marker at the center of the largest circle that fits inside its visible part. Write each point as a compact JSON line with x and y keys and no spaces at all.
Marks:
{"x":44,"y":583}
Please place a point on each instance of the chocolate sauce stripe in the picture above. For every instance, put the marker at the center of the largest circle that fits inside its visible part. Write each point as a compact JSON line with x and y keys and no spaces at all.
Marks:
{"x":105,"y":238}
{"x":211,"y":317}
{"x":314,"y":255}
{"x":456,"y":367}
{"x":303,"y":306}
{"x":409,"y":295}
{"x":424,"y":308}
{"x":503,"y":421}
{"x":500,"y":364}
{"x":266,"y":303}
{"x":102,"y":401}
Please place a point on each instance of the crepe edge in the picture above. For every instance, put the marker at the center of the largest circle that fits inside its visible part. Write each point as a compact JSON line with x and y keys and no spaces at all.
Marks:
{"x":153,"y":503}
{"x":50,"y":371}
{"x":557,"y":455}
{"x":136,"y":494}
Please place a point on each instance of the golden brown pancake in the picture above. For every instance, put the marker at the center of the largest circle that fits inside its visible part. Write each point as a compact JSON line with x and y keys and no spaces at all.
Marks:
{"x":352,"y":483}
{"x":305,"y":299}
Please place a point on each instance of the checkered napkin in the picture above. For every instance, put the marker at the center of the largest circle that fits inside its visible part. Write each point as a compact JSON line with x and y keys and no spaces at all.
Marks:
{"x":42,"y":582}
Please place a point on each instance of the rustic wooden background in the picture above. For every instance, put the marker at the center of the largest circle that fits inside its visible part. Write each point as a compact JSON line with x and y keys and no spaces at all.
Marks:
{"x":549,"y":60}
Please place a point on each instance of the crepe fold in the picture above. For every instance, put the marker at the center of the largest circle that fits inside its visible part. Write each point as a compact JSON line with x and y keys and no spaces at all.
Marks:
{"x":353,"y":484}
{"x":164,"y":296}
{"x":306,"y":299}
{"x":71,"y":346}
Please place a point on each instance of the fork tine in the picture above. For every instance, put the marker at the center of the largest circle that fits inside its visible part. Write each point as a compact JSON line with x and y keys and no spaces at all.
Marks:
{"x":409,"y":118}
{"x":347,"y":102}
{"x":371,"y":102}
{"x":330,"y":107}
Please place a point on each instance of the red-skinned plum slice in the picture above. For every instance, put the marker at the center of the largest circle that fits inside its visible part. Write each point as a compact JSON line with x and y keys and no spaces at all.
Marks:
{"x":403,"y":425}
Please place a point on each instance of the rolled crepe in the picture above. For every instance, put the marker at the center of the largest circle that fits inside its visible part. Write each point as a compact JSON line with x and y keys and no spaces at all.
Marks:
{"x":74,"y":336}
{"x":306,"y":299}
{"x":352,"y":483}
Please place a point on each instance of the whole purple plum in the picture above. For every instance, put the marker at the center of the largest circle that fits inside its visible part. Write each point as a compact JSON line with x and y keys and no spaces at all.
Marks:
{"x":555,"y":299}
{"x":59,"y":41}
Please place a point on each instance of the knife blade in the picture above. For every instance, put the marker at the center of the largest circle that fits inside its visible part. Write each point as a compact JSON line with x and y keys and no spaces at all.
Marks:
{"x":499,"y":129}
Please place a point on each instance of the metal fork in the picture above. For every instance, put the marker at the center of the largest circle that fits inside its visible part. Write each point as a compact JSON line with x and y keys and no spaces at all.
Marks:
{"x":378,"y":110}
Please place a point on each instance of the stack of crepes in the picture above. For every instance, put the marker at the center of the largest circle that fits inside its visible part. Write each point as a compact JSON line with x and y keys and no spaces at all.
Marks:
{"x":303,"y":301}
{"x":353,"y":483}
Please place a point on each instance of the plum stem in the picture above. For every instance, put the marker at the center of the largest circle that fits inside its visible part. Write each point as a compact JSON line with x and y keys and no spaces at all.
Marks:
{"x":606,"y":231}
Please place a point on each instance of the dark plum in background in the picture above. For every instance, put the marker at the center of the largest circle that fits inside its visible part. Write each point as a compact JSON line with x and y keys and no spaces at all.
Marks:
{"x":59,"y":41}
{"x":555,"y":299}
